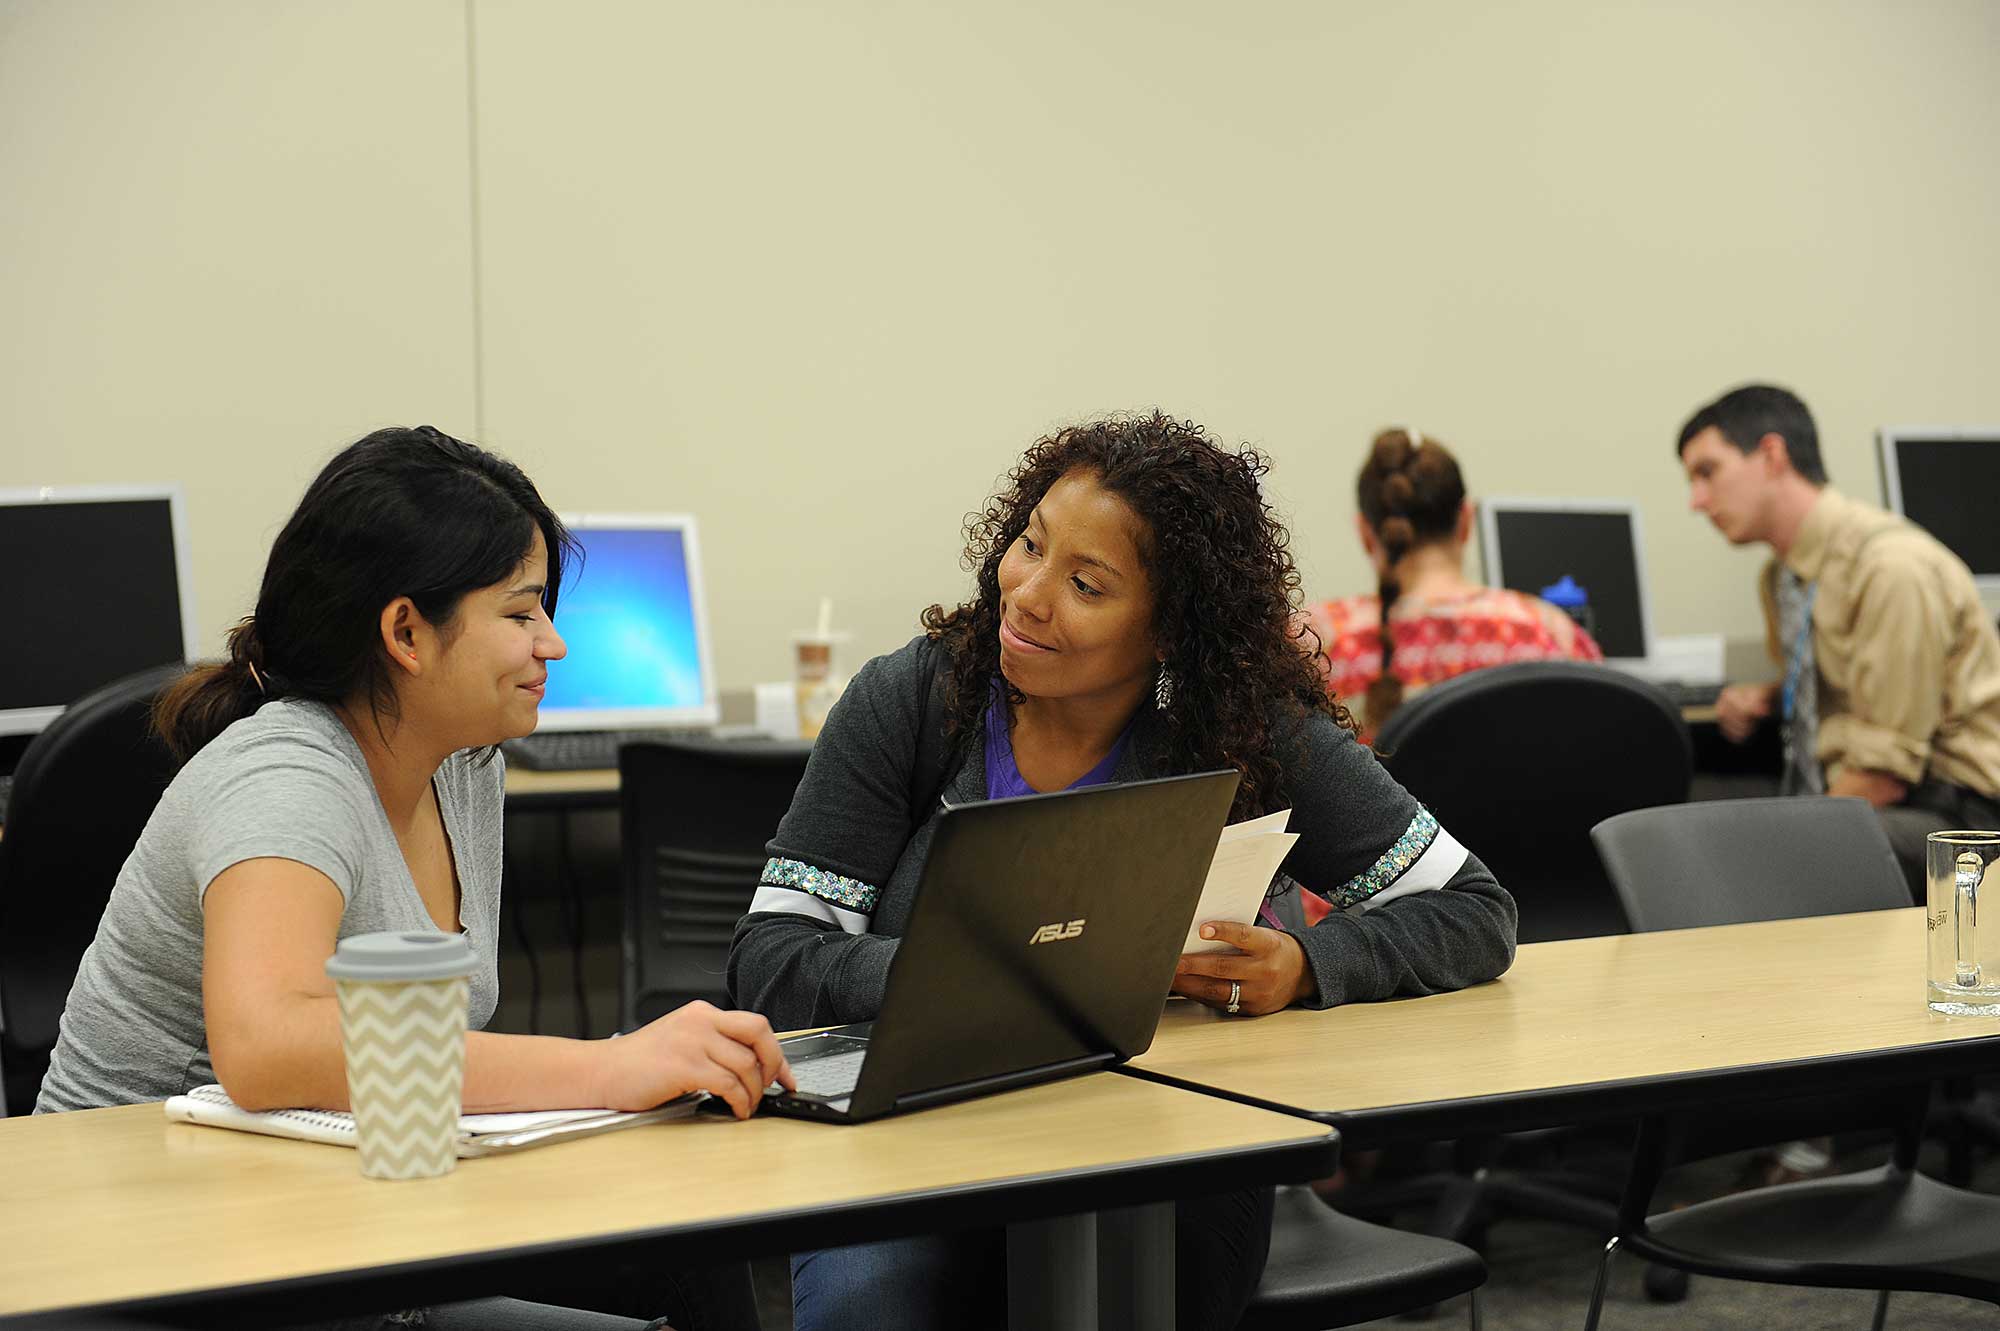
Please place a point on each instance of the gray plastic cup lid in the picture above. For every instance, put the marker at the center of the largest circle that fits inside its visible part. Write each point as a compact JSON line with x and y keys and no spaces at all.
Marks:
{"x":401,"y":955}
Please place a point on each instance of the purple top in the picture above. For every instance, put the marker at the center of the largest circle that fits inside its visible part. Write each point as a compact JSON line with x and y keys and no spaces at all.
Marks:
{"x":1003,"y":774}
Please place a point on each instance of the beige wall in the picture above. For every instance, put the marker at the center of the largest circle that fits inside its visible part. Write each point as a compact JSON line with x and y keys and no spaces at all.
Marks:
{"x":233,"y":235}
{"x":817,"y":272}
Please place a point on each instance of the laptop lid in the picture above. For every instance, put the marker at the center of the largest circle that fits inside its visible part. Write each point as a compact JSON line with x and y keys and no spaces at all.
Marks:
{"x":1043,"y":936}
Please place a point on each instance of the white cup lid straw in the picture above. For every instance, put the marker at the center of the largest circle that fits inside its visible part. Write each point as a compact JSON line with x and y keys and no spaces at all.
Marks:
{"x":401,"y":955}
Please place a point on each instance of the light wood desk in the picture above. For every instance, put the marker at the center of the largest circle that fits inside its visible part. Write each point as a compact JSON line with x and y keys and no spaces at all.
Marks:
{"x":589,"y":788}
{"x":117,"y":1208}
{"x":1599,"y":1028}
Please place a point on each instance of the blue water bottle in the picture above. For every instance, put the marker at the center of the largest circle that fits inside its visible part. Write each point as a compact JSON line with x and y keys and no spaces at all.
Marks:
{"x":1573,"y":599}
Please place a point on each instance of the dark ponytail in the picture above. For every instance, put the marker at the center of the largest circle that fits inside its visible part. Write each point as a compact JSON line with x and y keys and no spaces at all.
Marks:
{"x":201,"y":704}
{"x":1409,"y":493}
{"x":402,"y":512}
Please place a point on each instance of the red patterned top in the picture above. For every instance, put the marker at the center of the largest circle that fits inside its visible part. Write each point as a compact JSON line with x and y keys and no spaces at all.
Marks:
{"x":1439,"y":639}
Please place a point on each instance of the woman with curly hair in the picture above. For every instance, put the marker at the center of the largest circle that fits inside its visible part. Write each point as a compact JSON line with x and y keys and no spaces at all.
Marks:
{"x":1132,"y":618}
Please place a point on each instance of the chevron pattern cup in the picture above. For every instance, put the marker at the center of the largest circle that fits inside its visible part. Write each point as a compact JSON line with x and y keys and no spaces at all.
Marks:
{"x":405,"y":1048}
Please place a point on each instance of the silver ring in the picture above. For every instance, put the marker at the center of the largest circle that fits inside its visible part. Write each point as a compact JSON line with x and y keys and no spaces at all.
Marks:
{"x":1235,"y":998}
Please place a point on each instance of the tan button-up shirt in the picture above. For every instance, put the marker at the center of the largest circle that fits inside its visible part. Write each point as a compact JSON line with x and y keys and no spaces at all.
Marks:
{"x":1908,"y":658}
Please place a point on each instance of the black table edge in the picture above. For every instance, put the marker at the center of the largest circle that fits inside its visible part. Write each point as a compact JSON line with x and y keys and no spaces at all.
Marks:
{"x":1628,"y":1098}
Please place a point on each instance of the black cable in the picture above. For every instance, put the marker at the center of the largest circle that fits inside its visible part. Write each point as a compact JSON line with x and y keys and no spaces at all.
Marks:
{"x":517,"y":915}
{"x":572,"y":907}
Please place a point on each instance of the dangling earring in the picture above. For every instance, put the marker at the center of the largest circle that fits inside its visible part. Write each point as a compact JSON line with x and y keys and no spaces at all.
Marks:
{"x":1163,"y":688}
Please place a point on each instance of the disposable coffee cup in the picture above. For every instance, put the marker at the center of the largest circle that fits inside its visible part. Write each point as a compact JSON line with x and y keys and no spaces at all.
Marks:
{"x":817,"y":684}
{"x":403,"y":1000}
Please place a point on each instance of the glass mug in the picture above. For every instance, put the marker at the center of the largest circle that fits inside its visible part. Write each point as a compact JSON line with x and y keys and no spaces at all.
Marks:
{"x":1962,"y":978}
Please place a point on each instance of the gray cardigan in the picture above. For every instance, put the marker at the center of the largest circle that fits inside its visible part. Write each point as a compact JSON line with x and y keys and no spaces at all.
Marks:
{"x":1417,"y":914}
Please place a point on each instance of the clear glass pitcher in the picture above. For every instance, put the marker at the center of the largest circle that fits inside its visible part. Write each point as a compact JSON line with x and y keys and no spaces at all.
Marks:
{"x":1963,"y":974}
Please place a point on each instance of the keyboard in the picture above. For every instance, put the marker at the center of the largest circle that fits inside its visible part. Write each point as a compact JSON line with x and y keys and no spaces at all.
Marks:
{"x":829,"y":1076}
{"x":579,"y":750}
{"x":1691,"y":695}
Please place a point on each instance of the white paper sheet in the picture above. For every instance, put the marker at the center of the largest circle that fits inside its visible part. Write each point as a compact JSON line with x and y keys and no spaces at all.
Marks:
{"x":1247,"y":856}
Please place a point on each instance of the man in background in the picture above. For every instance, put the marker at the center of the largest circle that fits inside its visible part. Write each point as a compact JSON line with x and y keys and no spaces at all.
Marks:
{"x":1890,"y":684}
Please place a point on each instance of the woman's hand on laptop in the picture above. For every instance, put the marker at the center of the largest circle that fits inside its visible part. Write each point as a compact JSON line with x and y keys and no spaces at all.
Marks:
{"x":1271,"y":969}
{"x":696,"y":1047}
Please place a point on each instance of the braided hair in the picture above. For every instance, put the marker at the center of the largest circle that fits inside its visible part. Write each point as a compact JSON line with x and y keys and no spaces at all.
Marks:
{"x":1410,"y":493}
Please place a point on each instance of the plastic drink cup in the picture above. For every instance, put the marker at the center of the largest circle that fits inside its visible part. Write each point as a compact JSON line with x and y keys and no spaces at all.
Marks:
{"x":1962,"y":977}
{"x":817,"y":684}
{"x":403,"y":999}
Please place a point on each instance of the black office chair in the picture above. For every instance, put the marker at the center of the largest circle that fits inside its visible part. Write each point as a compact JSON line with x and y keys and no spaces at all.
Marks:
{"x":1327,"y":1269}
{"x":696,"y":815}
{"x":83,"y":791}
{"x":1519,"y":762}
{"x":1734,"y":861}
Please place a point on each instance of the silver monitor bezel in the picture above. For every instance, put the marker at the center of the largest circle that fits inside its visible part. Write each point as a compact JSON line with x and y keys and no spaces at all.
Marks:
{"x":709,"y":711}
{"x":32,"y":720}
{"x":1890,"y":437}
{"x":1489,"y":551}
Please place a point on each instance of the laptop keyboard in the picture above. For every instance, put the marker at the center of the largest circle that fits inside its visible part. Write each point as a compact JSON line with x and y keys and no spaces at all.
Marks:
{"x":579,"y":750}
{"x":1691,"y":695}
{"x":830,"y":1075}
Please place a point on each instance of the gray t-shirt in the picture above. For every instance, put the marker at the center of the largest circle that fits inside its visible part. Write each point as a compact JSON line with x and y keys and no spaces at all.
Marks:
{"x":290,"y":783}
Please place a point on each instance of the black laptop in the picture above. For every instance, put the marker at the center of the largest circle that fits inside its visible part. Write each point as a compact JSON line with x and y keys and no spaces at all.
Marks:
{"x":1041,"y":944}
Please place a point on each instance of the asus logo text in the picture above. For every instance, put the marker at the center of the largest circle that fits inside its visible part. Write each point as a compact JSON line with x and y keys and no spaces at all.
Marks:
{"x":1056,"y":933}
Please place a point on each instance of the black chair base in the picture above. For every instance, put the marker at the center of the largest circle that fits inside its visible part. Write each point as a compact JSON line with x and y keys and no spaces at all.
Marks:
{"x":1882,"y":1229}
{"x":1874,"y":1229}
{"x":1327,"y":1269}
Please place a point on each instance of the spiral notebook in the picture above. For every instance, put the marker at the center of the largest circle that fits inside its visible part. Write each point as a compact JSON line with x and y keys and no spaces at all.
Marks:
{"x":479,"y":1134}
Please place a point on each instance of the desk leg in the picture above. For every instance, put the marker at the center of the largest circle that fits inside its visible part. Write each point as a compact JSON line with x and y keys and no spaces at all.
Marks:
{"x":1135,"y":1268}
{"x":1052,"y":1274}
{"x":1108,"y":1272}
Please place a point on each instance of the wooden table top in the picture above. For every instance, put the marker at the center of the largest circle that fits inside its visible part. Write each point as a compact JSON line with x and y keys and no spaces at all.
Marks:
{"x":1659,"y":1014}
{"x":115,"y":1205}
{"x":528,"y":783}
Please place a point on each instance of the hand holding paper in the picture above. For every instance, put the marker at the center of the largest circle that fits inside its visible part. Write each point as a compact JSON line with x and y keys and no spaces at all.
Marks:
{"x":1247,"y":857}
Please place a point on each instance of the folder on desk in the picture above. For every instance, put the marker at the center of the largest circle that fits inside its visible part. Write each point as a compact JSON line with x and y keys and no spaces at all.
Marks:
{"x":479,"y":1134}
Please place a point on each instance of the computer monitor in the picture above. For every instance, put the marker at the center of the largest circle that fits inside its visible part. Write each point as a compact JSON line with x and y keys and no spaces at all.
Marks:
{"x":1946,"y":479}
{"x":633,"y":615}
{"x":1559,"y":548}
{"x":98,"y":588}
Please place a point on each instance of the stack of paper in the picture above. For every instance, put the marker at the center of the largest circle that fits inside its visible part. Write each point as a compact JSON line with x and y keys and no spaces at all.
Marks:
{"x":479,"y":1134}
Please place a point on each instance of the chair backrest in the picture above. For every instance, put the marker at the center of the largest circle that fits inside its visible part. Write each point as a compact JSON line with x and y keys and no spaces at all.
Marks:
{"x":83,"y":791}
{"x":1733,"y":861}
{"x":696,"y":817}
{"x":1520,"y":761}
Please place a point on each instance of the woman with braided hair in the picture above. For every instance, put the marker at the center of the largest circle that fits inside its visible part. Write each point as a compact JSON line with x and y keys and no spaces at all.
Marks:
{"x":1427,"y":621}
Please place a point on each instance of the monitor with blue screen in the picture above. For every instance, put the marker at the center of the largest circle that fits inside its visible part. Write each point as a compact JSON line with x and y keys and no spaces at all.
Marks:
{"x":632,"y":614}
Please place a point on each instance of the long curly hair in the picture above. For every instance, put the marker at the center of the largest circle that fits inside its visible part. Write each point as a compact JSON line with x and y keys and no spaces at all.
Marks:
{"x":1225,"y":593}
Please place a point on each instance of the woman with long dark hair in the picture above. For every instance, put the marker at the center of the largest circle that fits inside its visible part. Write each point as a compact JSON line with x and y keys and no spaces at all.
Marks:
{"x":1133,"y":617}
{"x":339,"y":778}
